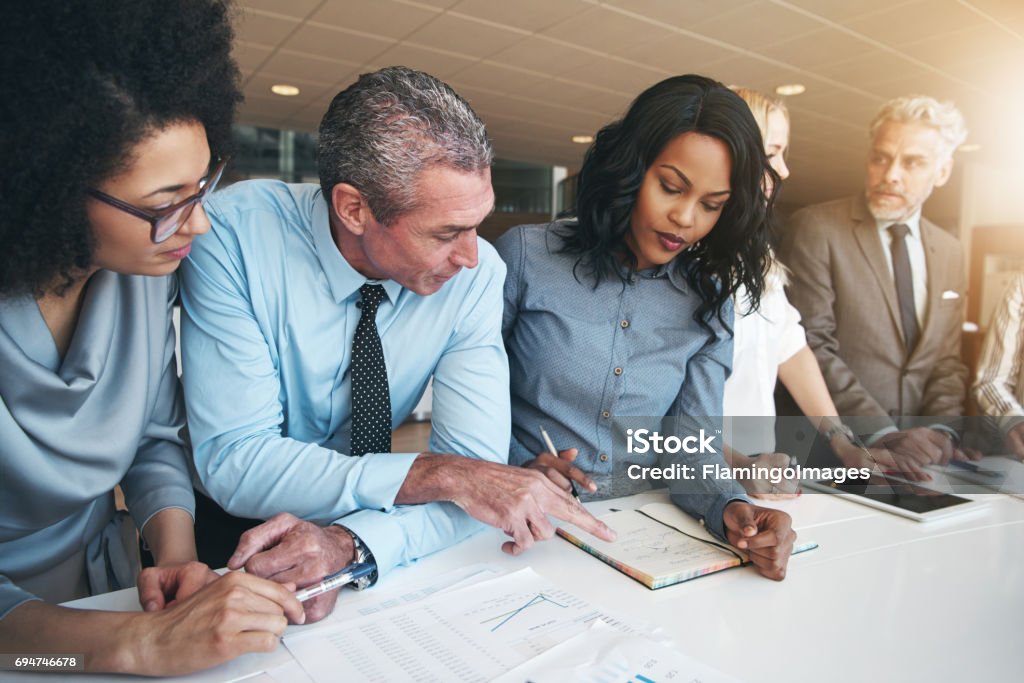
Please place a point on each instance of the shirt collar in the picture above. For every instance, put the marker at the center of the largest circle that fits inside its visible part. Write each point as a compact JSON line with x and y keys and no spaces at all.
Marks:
{"x":675,"y":275}
{"x":342,"y":278}
{"x":671,"y":270}
{"x":914,"y":223}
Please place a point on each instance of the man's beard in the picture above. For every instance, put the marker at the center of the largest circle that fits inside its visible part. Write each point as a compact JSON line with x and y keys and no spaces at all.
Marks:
{"x":882,"y":212}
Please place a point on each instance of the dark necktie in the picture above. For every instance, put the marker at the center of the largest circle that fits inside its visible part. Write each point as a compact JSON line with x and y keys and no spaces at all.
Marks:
{"x":904,"y":278}
{"x":371,"y":403}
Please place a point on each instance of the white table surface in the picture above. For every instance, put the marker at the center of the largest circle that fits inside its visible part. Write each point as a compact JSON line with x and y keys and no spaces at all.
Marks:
{"x":883,"y":598}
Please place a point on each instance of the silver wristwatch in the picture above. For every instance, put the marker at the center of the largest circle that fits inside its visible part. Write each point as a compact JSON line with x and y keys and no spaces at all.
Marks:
{"x":362,"y":554}
{"x":840,"y":428}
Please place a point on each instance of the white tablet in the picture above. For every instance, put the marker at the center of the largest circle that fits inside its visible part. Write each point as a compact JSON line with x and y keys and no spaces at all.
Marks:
{"x":899,"y":497}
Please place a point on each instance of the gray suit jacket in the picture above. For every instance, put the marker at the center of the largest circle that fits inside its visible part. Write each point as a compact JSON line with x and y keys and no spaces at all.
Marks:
{"x":844,"y":290}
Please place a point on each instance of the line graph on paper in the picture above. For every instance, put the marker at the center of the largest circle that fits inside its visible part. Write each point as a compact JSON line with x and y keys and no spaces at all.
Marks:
{"x":503,"y":619}
{"x":526,"y":621}
{"x":472,"y":634}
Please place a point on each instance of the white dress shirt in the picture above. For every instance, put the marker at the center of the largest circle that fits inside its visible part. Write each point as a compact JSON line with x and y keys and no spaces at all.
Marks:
{"x":918,"y":264}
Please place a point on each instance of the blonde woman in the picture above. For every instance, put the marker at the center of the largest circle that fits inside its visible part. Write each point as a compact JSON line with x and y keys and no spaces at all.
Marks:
{"x":769,"y":346}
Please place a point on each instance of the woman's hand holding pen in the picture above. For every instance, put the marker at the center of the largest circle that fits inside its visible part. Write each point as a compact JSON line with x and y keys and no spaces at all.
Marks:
{"x":235,"y":614}
{"x":561,"y":470}
{"x":879,"y":460}
{"x":161,"y":587}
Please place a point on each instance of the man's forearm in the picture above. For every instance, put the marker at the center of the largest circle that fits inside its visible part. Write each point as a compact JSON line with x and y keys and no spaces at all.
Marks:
{"x":431,"y":478}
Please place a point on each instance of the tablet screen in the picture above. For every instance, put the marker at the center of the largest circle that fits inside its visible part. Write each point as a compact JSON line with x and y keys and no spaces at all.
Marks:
{"x":898,"y":494}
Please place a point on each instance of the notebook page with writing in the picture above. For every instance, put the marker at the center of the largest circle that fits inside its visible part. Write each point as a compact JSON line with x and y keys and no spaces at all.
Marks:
{"x":660,"y":545}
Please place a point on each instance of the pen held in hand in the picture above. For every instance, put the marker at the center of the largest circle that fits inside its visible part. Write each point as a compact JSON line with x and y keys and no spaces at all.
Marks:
{"x":551,"y":448}
{"x":346,"y":575}
{"x":976,"y":469}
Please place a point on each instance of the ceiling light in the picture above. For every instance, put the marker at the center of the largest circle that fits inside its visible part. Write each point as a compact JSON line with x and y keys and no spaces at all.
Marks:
{"x":972,"y":147}
{"x":583,"y":139}
{"x":791,"y":89}
{"x":284,"y":90}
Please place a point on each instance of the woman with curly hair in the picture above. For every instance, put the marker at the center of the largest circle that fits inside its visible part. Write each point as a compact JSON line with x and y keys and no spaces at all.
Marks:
{"x":625,"y":309}
{"x":114,"y":129}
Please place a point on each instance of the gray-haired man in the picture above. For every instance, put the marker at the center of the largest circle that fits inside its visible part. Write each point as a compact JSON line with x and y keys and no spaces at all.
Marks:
{"x":314,"y":318}
{"x":880,"y":288}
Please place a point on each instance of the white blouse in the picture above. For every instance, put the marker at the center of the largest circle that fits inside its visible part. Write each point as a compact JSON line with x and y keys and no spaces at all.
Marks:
{"x":763,"y":340}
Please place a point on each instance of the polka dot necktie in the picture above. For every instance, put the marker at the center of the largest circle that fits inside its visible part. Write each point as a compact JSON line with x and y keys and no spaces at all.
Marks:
{"x":371,"y":403}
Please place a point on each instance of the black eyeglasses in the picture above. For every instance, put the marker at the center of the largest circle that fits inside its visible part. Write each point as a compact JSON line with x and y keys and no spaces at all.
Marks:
{"x":166,"y":222}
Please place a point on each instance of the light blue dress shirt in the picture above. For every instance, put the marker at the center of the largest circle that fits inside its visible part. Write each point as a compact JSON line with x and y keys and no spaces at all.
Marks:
{"x":582,"y":356}
{"x":269,"y":315}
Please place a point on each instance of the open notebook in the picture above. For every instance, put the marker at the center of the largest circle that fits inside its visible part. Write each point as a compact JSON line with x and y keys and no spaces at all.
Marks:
{"x":660,"y":545}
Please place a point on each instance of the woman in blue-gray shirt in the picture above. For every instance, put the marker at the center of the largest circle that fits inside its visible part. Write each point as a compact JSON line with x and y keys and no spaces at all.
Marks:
{"x":625,"y":309}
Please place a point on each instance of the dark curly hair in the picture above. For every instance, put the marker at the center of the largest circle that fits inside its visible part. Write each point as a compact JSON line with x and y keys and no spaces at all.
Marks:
{"x":85,"y":82}
{"x":736,"y":251}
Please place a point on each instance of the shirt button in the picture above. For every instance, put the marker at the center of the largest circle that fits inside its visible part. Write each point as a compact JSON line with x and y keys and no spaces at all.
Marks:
{"x":603,"y":457}
{"x":624,"y":324}
{"x":617,"y":371}
{"x":359,"y":304}
{"x":605,"y":414}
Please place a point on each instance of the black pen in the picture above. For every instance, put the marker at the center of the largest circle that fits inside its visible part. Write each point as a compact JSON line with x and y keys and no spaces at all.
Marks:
{"x":551,"y":447}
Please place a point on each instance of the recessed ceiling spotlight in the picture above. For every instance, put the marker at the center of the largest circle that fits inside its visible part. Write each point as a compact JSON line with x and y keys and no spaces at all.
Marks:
{"x":583,"y":139}
{"x":284,"y":90}
{"x":791,"y":89}
{"x":972,"y":147}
